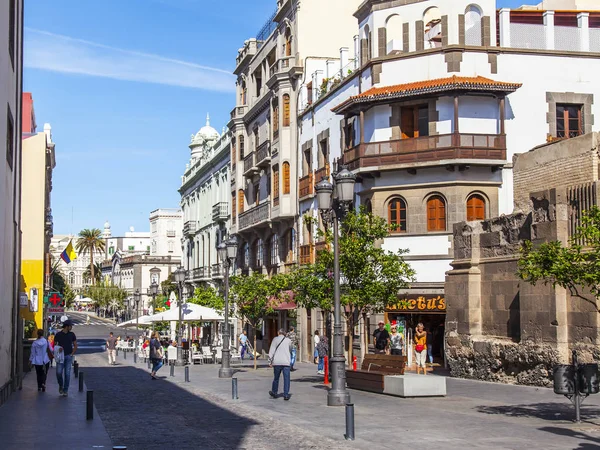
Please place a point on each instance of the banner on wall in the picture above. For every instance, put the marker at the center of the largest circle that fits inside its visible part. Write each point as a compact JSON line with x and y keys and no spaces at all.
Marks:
{"x":419,"y":304}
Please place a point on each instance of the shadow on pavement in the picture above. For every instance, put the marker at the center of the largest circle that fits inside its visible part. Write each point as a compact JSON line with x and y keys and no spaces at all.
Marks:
{"x":594,"y":443}
{"x":147,"y":414}
{"x":545,"y":411}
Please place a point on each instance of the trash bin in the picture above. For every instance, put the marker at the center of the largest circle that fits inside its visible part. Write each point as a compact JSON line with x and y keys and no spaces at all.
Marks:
{"x":564,"y":379}
{"x":588,"y":379}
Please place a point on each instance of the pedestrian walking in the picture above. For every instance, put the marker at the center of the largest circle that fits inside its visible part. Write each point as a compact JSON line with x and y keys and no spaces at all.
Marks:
{"x":420,"y":348}
{"x":396,"y":341}
{"x":381,"y":339}
{"x":40,"y":358}
{"x":67,"y":341}
{"x":156,"y":354}
{"x":322,"y":351}
{"x":316,"y":352}
{"x":51,"y":345}
{"x":294,"y":338}
{"x":243,"y":344}
{"x":111,"y":349}
{"x":280,"y":358}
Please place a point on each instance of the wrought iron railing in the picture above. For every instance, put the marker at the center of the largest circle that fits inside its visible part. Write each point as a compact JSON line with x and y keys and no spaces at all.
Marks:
{"x":263,"y":152}
{"x":249,"y":162}
{"x":220,"y":211}
{"x":255,"y":216}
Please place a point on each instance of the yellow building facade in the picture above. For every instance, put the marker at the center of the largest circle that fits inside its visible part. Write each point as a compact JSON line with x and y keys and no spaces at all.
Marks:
{"x":36,"y":219}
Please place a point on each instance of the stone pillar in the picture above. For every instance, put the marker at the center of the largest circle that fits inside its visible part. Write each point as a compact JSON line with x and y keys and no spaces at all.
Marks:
{"x":583,"y":22}
{"x":317,"y":85}
{"x":356,"y":51}
{"x":344,"y":51}
{"x":549,"y":29}
{"x":331,"y":72}
{"x":504,"y":27}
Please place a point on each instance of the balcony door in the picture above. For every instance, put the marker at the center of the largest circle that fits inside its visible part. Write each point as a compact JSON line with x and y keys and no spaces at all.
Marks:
{"x":414,"y":121}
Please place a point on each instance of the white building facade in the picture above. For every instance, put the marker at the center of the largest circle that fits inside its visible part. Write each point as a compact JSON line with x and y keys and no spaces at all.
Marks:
{"x":166,"y":231}
{"x":75,"y":270}
{"x":439,"y":104}
{"x":205,"y":203}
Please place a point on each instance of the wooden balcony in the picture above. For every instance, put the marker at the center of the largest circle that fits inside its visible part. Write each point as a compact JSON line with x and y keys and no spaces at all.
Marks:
{"x":256,"y":216}
{"x":306,"y":186}
{"x":322,"y":172}
{"x":425,"y":149}
{"x":263,"y":154}
{"x":307,"y":254}
{"x":319,"y":246}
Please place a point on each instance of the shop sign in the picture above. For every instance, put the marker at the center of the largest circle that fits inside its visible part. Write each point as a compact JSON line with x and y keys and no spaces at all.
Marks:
{"x":435,"y":304}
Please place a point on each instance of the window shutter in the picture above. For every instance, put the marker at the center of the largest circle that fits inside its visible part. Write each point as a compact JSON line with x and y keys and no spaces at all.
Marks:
{"x":276,"y":182}
{"x":240,"y":201}
{"x":475,"y":208}
{"x":241,"y":148}
{"x":286,"y":177}
{"x":233,"y":206}
{"x":286,"y":110}
{"x":436,"y":214}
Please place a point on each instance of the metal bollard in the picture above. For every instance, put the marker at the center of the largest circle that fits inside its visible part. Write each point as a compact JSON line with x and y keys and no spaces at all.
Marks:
{"x":89,"y":405}
{"x":234,"y":389}
{"x":81,"y":381}
{"x":349,"y":422}
{"x":187,"y":374}
{"x":76,"y":369}
{"x":134,"y":357}
{"x":172,"y":370}
{"x":124,"y":354}
{"x":149,"y":364}
{"x":117,"y":352}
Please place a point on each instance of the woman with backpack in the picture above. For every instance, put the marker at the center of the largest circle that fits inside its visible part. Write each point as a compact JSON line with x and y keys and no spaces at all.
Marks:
{"x":322,"y":350}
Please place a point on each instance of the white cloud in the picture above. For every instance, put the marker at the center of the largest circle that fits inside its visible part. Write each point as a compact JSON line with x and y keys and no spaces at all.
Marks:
{"x":58,"y":53}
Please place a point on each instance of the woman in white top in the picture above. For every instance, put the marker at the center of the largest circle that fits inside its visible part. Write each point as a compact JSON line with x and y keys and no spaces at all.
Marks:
{"x":396,"y":341}
{"x":316,"y":352}
{"x":40,"y":359}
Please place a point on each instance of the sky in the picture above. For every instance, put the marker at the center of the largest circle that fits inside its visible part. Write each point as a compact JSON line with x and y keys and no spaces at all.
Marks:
{"x":124,"y":84}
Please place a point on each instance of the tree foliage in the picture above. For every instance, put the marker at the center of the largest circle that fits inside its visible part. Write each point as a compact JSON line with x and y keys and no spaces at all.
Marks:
{"x":107,"y":297}
{"x":371,"y":277}
{"x":574,"y":267}
{"x":209,"y":297}
{"x":90,"y":241}
{"x":97,"y":269}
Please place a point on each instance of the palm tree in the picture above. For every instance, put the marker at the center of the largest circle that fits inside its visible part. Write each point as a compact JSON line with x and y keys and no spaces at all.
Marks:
{"x":97,"y":271}
{"x":90,"y":241}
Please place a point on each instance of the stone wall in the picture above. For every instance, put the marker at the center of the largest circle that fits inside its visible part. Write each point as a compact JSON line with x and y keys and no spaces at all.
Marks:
{"x":557,"y":165}
{"x":500,"y":328}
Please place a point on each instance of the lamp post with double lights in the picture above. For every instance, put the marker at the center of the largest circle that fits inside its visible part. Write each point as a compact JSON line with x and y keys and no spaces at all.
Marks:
{"x":136,"y":299}
{"x":179,"y":275}
{"x":334,"y":201}
{"x":227,"y":253}
{"x":153,"y":292}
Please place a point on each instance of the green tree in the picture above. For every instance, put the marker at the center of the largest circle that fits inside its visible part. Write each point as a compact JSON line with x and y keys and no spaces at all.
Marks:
{"x":68,"y":295}
{"x":96,"y":269}
{"x":107,"y":297}
{"x":169,"y":286}
{"x":90,"y":241}
{"x":575,"y":266}
{"x":255,"y":297}
{"x":371,"y":277}
{"x":209,"y":297}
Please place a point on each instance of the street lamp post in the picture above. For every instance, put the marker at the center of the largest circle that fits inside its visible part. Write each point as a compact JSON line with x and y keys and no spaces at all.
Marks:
{"x":179,"y":279}
{"x":136,"y":298}
{"x":227,"y":253}
{"x":153,"y":292}
{"x":334,"y":201}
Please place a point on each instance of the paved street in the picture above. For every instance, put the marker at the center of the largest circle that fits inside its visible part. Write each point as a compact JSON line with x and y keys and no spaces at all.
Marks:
{"x":140,"y":413}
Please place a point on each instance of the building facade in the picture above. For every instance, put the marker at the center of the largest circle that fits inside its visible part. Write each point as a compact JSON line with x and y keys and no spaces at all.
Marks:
{"x":11,"y":87}
{"x":444,"y":95}
{"x":166,"y":231}
{"x":205,"y":204}
{"x":74,"y":273}
{"x":36,"y":213}
{"x":273,"y":71}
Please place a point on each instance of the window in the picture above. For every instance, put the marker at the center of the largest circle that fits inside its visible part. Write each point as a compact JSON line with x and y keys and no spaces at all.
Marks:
{"x":276,"y":182}
{"x":307,"y":162}
{"x":475,"y":208}
{"x":233,"y":151}
{"x":436,"y":214}
{"x":397,"y":214}
{"x":256,"y":191}
{"x":233,"y":207}
{"x":148,"y":248}
{"x":10,"y":137}
{"x":309,"y":93}
{"x":473,"y":35}
{"x":256,"y":139}
{"x":414,"y":121}
{"x":111,"y":250}
{"x":323,"y":152}
{"x":569,"y":121}
{"x":243,"y":93}
{"x":258,"y":82}
{"x":131,"y":248}
{"x":71,"y":278}
{"x":171,"y":246}
{"x":246,"y":255}
{"x":241,"y":147}
{"x":258,"y":251}
{"x":290,"y":246}
{"x":274,"y":250}
{"x":12,"y":18}
{"x":349,"y":135}
{"x":288,"y":44}
{"x":240,"y":201}
{"x":275,"y":119}
{"x":369,"y":207}
{"x":286,"y":110}
{"x":286,"y":177}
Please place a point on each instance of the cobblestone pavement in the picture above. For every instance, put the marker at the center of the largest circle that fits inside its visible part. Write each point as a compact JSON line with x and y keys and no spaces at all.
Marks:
{"x":146,"y":414}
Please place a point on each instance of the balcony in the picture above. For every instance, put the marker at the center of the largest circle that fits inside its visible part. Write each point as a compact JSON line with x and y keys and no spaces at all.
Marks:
{"x":320,"y":246}
{"x":249,"y":167}
{"x":263,"y":154}
{"x":217,"y":271}
{"x":238,"y":112}
{"x":245,"y":54}
{"x":306,"y":185}
{"x":283,"y":6}
{"x":256,"y":216}
{"x":321,"y":173}
{"x":171,"y":233}
{"x":220,"y":212}
{"x":307,"y":254}
{"x":189,"y":227}
{"x":427,"y":149}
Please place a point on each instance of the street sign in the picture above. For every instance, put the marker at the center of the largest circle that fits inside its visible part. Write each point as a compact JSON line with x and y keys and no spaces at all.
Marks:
{"x":56,"y":310}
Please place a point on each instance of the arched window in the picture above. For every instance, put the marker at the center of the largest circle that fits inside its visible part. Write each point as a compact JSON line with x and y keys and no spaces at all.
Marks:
{"x":393,"y":33}
{"x":71,"y":278}
{"x":258,"y":253}
{"x":288,"y":43}
{"x":243,"y":93}
{"x":366,"y":56}
{"x":433,"y":27}
{"x":286,"y":110}
{"x":475,"y":208}
{"x":241,"y":147}
{"x":275,"y":119}
{"x":240,"y":201}
{"x":276,"y":182}
{"x":436,"y":214}
{"x":397,"y":214}
{"x":473,"y":35}
{"x":286,"y":177}
{"x":274,"y":250}
{"x":233,"y":151}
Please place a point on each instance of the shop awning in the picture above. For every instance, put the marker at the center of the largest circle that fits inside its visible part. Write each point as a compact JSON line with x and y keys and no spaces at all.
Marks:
{"x":453,"y":84}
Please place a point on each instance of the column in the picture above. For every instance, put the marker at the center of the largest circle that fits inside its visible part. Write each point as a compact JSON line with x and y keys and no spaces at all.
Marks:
{"x":504,"y":27}
{"x":362,"y":127}
{"x":343,"y":60}
{"x":330,"y":70}
{"x":549,"y":29}
{"x":583,"y":22}
{"x":317,"y":85}
{"x":356,"y":51}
